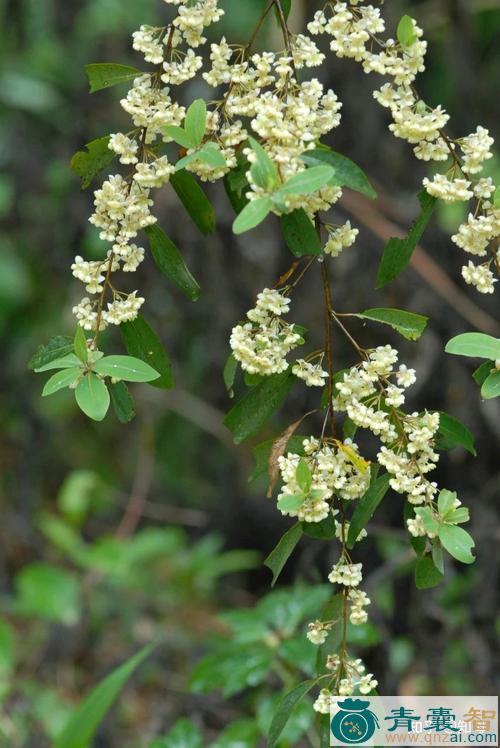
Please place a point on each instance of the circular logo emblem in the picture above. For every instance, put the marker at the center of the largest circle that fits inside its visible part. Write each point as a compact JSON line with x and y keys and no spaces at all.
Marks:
{"x":354,"y":723}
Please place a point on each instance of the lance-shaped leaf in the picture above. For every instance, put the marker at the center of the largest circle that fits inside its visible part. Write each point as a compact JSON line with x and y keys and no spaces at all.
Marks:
{"x":426,"y":573}
{"x":307,"y":181}
{"x":180,"y":136}
{"x":141,"y":341}
{"x":57,"y":347}
{"x":61,"y":379}
{"x":128,"y":368}
{"x":80,"y":345}
{"x":105,"y":74}
{"x":405,"y":33}
{"x":88,"y":164}
{"x":170,"y":261}
{"x":475,"y":345}
{"x":457,"y":542}
{"x":250,"y":413}
{"x":285,"y":709}
{"x":408,"y":324}
{"x":252,"y":214}
{"x":398,"y":252}
{"x":300,"y":235}
{"x":66,"y":362}
{"x":280,"y":555}
{"x":453,"y":433}
{"x":366,"y":506}
{"x":122,"y":401}
{"x":263,"y":170}
{"x":236,"y":184}
{"x":491,"y":386}
{"x":346,"y":172}
{"x":194,"y":200}
{"x":196,"y":120}
{"x":483,"y":372}
{"x":82,"y":725}
{"x":92,"y":396}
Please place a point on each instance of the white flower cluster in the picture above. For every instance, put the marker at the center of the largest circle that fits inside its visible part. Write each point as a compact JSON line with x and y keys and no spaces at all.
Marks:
{"x":407,"y":440}
{"x":354,"y":680}
{"x":355,"y":28}
{"x":312,"y":374}
{"x":317,"y":631}
{"x":287,"y":116}
{"x":122,"y":206}
{"x":333,"y":473}
{"x":262,"y":344}
{"x":340,"y":238}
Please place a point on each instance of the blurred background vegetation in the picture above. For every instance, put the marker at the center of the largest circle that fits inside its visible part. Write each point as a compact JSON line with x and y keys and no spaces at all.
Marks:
{"x":113,"y":535}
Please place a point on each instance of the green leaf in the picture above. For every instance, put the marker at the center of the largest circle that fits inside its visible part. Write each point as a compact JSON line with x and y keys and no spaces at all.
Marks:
{"x":307,"y":181}
{"x":457,"y":542}
{"x":262,"y":451}
{"x":453,"y":433}
{"x":496,"y":198}
{"x":286,"y":6}
{"x":46,"y":592}
{"x":282,"y":552}
{"x":263,"y":171}
{"x":303,"y":476}
{"x":142,"y":342}
{"x":60,"y":380}
{"x":300,"y":235}
{"x":483,"y":372}
{"x":212,"y":155}
{"x":324,"y":530}
{"x":427,"y":516}
{"x":66,"y":362}
{"x":242,"y":733}
{"x":419,"y":544}
{"x":57,"y":347}
{"x":80,"y":345}
{"x":129,"y":368}
{"x":437,"y":555}
{"x":82,"y":725}
{"x":426,"y":574}
{"x":252,"y":214}
{"x":491,"y":386}
{"x":180,"y":136}
{"x":122,"y":401}
{"x":405,"y":33}
{"x":92,"y":396}
{"x":236,"y":184}
{"x":474,"y":344}
{"x":398,"y":252}
{"x":446,"y":501}
{"x":196,"y":120}
{"x":291,"y":502}
{"x":409,"y":325}
{"x":458,"y":516}
{"x":346,"y":172}
{"x":88,"y":164}
{"x":183,"y":734}
{"x":250,"y":413}
{"x":170,"y":262}
{"x":285,"y":709}
{"x":194,"y":201}
{"x":366,"y":506}
{"x":105,"y":74}
{"x":229,"y":373}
